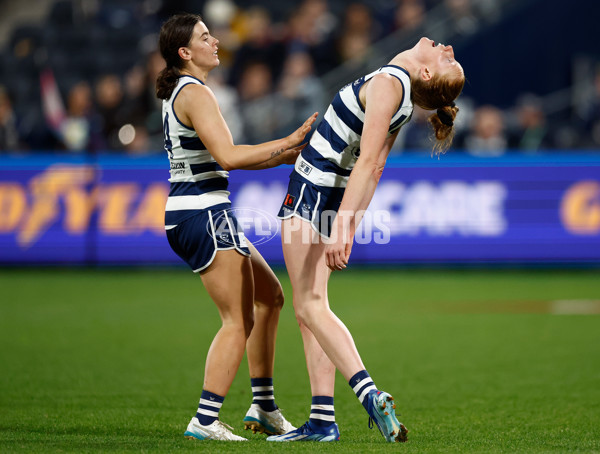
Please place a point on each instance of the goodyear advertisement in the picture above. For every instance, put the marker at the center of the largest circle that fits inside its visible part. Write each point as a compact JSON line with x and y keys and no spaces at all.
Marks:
{"x":456,"y":209}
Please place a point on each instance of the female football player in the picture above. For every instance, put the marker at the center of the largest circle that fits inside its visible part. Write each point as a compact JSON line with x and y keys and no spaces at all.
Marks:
{"x":337,"y":173}
{"x":204,"y":233}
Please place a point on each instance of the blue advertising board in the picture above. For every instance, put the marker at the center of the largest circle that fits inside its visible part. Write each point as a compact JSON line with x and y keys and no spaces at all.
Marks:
{"x":456,"y":209}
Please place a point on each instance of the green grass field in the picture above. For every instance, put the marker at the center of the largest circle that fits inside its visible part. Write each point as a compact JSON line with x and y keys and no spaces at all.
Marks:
{"x":478,"y":361}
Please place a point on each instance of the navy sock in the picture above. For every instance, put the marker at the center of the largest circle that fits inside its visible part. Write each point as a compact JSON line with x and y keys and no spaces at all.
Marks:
{"x":322,"y":412}
{"x":262,"y":392}
{"x":209,"y":407}
{"x":361,"y":383}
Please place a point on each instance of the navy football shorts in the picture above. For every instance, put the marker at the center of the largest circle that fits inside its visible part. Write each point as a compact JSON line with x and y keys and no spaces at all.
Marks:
{"x":197,"y":239}
{"x":315,"y":204}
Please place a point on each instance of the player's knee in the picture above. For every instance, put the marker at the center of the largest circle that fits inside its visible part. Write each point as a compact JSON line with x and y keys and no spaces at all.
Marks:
{"x":241,"y":324}
{"x":271,"y":301}
{"x":277,"y":297}
{"x":301,"y":318}
{"x":308,"y":314}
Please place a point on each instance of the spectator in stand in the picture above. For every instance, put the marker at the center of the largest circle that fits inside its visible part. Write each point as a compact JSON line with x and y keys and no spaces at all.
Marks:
{"x":260,"y":46}
{"x":322,"y":21}
{"x":354,"y":49}
{"x":81,"y":130}
{"x":136,"y":104}
{"x":358,"y":34}
{"x":109,"y":101}
{"x":359,"y":19}
{"x":258,"y":106}
{"x":409,"y":16}
{"x":299,"y":92}
{"x":139,"y":112}
{"x":531,"y":133}
{"x":311,"y":28}
{"x":487,"y":137}
{"x":458,"y":17}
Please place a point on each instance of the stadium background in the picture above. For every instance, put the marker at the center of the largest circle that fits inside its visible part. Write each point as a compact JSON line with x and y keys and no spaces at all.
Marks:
{"x":489,"y":280}
{"x":83,"y":176}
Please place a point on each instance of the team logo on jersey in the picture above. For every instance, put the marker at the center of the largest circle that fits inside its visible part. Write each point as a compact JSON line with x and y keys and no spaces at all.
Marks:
{"x":289,"y":200}
{"x":305,"y":168}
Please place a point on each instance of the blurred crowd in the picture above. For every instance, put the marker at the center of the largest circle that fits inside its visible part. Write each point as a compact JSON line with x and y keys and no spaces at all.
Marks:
{"x":83,"y":80}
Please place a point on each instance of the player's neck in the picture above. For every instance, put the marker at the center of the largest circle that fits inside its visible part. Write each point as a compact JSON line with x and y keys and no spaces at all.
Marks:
{"x":407,"y":61}
{"x":198,"y":73}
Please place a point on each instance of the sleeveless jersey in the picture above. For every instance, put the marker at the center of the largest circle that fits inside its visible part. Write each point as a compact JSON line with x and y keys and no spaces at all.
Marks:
{"x":333,"y":149}
{"x":197,"y":181}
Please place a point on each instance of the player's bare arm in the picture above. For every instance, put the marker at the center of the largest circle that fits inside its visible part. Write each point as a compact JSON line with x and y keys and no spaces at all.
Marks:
{"x":196,"y":105}
{"x":383,"y":95}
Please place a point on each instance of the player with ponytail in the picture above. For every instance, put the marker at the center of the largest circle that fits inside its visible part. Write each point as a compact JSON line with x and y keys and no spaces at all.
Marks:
{"x":333,"y":183}
{"x":202,"y":229}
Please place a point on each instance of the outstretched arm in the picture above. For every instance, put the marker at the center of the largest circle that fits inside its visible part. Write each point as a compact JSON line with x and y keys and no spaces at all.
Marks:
{"x":287,"y":157}
{"x":196,"y":104}
{"x":383,"y":95}
{"x":383,"y":154}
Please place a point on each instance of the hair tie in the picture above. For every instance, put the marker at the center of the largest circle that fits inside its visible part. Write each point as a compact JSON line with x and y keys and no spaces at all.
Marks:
{"x":445,"y":117}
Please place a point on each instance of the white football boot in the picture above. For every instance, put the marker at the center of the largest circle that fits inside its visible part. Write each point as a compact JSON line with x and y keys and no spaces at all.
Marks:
{"x":267,"y":422}
{"x":215,"y":431}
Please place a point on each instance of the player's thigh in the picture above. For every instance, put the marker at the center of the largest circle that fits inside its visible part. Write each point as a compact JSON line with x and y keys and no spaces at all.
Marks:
{"x":304,"y":254}
{"x":267,"y":288}
{"x":229,"y":282}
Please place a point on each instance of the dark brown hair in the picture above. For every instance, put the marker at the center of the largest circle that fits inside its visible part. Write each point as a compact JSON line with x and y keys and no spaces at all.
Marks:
{"x":175,"y":33}
{"x":439,"y":94}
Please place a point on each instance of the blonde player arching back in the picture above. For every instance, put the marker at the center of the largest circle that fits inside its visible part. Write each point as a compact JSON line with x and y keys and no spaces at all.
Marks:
{"x":332,"y":185}
{"x":246,"y":291}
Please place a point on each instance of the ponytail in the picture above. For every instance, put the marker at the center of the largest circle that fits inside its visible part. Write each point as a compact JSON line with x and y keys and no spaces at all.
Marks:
{"x":166,"y":82}
{"x":439,"y":94}
{"x":443,"y":127}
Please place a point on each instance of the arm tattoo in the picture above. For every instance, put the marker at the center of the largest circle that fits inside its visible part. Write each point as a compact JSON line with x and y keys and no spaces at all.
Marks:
{"x":277,"y":153}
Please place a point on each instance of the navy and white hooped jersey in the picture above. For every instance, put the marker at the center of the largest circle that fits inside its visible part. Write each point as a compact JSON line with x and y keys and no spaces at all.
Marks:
{"x":334,"y":148}
{"x":197,"y":181}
